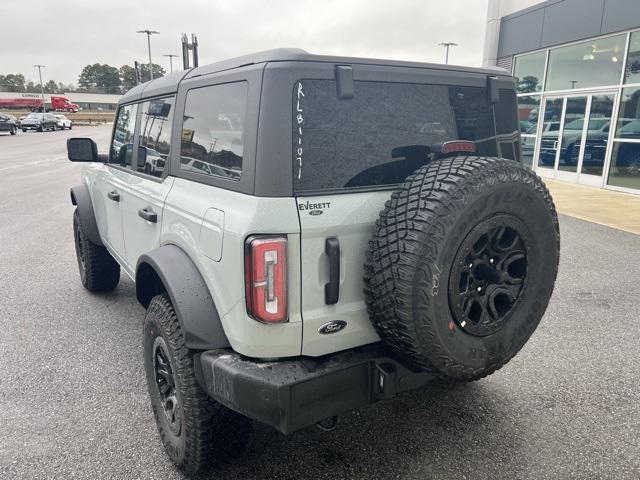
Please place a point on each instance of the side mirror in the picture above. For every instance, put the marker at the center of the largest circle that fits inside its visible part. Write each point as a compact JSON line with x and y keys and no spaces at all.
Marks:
{"x":142,"y":156}
{"x":82,"y":150}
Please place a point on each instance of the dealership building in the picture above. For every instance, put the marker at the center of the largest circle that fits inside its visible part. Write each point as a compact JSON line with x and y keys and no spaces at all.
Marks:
{"x":577,"y":65}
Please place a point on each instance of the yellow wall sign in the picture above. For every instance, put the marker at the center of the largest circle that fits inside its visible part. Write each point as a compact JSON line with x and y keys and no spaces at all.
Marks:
{"x":187,"y":135}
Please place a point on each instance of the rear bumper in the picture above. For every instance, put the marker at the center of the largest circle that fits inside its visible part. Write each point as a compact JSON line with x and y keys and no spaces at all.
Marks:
{"x":293,"y":394}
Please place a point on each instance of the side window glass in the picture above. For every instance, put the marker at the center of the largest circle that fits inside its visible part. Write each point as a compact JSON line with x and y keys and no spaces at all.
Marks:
{"x":122,"y":144}
{"x":155,"y":136}
{"x":213,"y":130}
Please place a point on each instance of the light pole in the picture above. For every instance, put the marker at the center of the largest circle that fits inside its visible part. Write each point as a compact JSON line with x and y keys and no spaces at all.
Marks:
{"x":40,"y":67}
{"x":171,"y":57}
{"x":148,"y":33}
{"x":446,"y":45}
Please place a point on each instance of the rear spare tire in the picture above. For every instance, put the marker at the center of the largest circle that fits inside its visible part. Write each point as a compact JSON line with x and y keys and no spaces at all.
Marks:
{"x":462,"y":265}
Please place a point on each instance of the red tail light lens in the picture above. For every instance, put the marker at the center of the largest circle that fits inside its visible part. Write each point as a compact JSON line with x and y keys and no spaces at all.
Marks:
{"x":266,"y":278}
{"x":458,"y":146}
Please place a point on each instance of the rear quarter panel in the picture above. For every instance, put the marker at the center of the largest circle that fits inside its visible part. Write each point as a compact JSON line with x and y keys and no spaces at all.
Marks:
{"x":187,"y":224}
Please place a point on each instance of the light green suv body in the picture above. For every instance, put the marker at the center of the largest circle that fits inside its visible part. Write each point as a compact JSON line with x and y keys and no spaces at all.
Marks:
{"x":242,"y":198}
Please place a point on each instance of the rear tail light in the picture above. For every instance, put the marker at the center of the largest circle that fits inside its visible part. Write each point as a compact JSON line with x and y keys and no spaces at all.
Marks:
{"x":266,"y":278}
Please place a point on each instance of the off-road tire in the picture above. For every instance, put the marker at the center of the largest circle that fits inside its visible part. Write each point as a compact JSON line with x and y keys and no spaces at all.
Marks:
{"x":99,"y":272}
{"x":410,"y":260}
{"x":208,"y":431}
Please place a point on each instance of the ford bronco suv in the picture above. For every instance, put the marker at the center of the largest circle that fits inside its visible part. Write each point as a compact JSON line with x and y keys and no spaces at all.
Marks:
{"x":310,"y":234}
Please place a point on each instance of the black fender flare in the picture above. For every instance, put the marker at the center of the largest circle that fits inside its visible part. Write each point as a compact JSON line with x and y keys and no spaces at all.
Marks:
{"x":81,"y":198}
{"x":170,"y":269}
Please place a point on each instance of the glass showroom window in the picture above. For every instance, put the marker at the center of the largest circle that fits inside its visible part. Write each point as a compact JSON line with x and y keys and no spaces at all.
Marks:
{"x":588,"y":64}
{"x":529,"y":72}
{"x":625,"y":159}
{"x":528,"y":109}
{"x":632,"y":72}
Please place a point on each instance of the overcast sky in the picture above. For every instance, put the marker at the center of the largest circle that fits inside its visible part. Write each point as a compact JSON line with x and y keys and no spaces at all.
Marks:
{"x":65,"y":35}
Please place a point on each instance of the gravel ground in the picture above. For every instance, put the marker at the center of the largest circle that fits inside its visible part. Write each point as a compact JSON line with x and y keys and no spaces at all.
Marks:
{"x":73,"y":400}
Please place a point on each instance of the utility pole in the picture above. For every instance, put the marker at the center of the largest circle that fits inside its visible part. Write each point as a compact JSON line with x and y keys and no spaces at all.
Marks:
{"x":171,"y":57}
{"x":40,"y":67}
{"x":446,"y":45}
{"x":148,"y":33}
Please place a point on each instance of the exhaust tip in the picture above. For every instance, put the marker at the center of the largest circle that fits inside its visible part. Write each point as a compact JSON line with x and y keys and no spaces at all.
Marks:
{"x":328,"y":424}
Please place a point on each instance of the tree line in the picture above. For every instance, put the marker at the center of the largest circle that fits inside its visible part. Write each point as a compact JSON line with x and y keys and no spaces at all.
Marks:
{"x":96,"y":78}
{"x":15,"y":82}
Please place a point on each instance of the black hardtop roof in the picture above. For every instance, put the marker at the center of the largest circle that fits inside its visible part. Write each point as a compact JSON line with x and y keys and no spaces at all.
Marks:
{"x":169,"y":83}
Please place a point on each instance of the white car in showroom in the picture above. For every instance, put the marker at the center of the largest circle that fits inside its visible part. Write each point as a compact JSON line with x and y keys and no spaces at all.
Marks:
{"x":63,"y":122}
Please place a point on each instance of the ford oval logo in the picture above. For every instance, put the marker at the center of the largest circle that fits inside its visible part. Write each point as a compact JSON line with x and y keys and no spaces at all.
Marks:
{"x":315,"y":212}
{"x":332,"y":327}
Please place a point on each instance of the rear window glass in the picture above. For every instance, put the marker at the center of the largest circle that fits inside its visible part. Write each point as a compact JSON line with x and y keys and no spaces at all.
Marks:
{"x":384,"y":133}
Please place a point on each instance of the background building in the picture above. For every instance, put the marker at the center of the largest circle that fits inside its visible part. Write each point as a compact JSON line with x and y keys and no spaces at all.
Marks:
{"x":578,"y":68}
{"x":94,"y":101}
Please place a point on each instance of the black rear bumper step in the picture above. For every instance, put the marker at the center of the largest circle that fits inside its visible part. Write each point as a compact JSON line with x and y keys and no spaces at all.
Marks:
{"x":293,"y":394}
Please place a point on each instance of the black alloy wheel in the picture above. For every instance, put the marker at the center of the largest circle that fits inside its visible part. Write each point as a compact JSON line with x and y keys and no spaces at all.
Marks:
{"x":165,"y":384}
{"x":81,"y":255}
{"x":488,"y":275}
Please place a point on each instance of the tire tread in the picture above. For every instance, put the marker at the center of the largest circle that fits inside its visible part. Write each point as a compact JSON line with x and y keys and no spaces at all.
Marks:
{"x":102,"y":271}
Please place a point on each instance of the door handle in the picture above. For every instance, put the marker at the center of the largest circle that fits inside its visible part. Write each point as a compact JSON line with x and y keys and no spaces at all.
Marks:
{"x":148,"y":214}
{"x":332,"y":289}
{"x":113,"y":195}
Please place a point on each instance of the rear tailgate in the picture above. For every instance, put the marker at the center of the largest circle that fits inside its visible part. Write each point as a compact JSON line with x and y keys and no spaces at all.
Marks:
{"x":369,"y":130}
{"x":350,"y":219}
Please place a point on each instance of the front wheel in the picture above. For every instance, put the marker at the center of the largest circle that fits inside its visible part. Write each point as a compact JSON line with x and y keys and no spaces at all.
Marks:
{"x":99,"y":272}
{"x":14,"y":130}
{"x":194,"y":429}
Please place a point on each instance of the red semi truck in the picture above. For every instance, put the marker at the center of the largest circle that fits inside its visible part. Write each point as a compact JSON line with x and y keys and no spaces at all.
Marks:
{"x":63,"y":104}
{"x":30,"y":101}
{"x":33,"y":102}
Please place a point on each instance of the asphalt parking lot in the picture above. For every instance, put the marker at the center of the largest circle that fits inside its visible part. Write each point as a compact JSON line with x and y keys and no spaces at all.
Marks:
{"x":73,"y":400}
